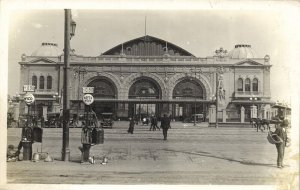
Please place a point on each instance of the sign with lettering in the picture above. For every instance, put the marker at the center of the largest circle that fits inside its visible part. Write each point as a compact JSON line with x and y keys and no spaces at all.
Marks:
{"x":29,"y":98}
{"x":88,"y":99}
{"x":28,"y":88}
{"x":88,"y":90}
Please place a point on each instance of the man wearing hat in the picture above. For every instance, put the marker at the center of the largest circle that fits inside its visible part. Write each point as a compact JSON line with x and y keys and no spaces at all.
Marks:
{"x":281,"y":132}
{"x":165,"y":125}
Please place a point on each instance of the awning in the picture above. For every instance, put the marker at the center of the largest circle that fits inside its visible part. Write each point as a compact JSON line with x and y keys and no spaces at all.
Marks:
{"x":152,"y":101}
{"x":281,"y":107}
{"x":251,"y":102}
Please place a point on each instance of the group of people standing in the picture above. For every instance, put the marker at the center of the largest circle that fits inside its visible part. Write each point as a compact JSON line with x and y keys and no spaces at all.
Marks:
{"x":165,"y":125}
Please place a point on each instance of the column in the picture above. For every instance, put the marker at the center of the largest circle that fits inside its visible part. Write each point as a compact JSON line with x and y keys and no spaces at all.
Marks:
{"x":16,"y":111}
{"x":45,"y":112}
{"x":212,"y":114}
{"x":171,"y":110}
{"x":243,"y":114}
{"x":224,"y":115}
{"x":253,"y":112}
{"x":263,"y":113}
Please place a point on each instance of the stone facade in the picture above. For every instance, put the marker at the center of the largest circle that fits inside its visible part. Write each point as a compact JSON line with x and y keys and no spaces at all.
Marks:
{"x":150,"y":72}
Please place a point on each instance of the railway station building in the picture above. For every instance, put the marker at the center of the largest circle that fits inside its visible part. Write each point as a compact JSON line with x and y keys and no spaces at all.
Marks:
{"x":150,"y":76}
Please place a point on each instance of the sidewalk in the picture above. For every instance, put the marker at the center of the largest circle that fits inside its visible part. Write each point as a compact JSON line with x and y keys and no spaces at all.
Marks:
{"x":191,"y":155}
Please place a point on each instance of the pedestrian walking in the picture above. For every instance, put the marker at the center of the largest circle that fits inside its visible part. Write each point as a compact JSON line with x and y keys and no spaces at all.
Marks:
{"x":136,"y":120}
{"x":153,"y":122}
{"x":165,"y":125}
{"x":281,"y":132}
{"x":131,"y":126}
{"x":170,"y":118}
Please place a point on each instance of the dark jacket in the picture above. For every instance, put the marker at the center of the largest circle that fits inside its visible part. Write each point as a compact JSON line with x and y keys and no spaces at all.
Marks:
{"x":165,"y":123}
{"x":131,"y":123}
{"x":281,"y":133}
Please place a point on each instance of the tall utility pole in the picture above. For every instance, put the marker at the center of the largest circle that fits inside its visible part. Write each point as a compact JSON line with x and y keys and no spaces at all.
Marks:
{"x":195,"y":101}
{"x":66,"y":102}
{"x":217,"y":98}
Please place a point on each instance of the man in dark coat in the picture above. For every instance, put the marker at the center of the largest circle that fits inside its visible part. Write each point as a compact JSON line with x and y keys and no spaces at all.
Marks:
{"x":153,"y":124}
{"x":131,"y":126}
{"x":281,"y":132}
{"x":165,"y":125}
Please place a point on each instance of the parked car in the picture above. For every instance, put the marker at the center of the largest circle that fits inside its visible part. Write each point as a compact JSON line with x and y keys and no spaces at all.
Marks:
{"x":53,"y":120}
{"x":198,"y":117}
{"x":106,"y":120}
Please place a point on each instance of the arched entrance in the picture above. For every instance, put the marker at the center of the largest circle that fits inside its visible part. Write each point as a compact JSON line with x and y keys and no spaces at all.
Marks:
{"x":188,"y":93}
{"x":143,"y":93}
{"x":104,"y":93}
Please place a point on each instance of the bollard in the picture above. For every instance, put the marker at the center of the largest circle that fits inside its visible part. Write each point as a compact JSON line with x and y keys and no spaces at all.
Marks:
{"x":86,"y":152}
{"x":27,"y":150}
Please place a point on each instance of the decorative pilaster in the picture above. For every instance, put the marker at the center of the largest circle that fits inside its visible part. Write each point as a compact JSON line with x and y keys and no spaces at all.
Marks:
{"x":242,"y":114}
{"x":212,"y":114}
{"x":224,"y":116}
{"x":253,"y":112}
{"x":45,"y":112}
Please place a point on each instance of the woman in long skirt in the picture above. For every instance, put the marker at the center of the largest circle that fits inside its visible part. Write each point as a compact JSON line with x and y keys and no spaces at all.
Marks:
{"x":131,"y":126}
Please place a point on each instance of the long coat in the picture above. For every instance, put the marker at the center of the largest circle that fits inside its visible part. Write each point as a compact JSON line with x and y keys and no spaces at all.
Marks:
{"x":131,"y":126}
{"x":281,"y":133}
{"x":165,"y":123}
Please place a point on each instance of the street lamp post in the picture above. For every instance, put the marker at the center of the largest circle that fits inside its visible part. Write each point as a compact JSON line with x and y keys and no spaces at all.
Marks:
{"x":57,"y":98}
{"x":78,"y":72}
{"x":253,"y":99}
{"x":70,"y":26}
{"x":140,"y":110}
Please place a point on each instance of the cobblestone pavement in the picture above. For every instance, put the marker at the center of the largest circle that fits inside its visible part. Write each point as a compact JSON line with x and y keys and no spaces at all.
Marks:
{"x":198,"y":155}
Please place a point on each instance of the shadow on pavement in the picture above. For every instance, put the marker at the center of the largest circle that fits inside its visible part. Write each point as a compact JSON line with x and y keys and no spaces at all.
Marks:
{"x":158,"y":139}
{"x":207,"y":154}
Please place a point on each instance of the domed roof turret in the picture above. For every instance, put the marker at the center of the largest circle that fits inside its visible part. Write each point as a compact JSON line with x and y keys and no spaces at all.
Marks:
{"x":47,"y":49}
{"x":242,"y":51}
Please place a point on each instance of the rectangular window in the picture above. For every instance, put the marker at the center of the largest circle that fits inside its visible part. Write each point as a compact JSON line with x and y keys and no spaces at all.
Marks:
{"x":240,"y":85}
{"x":42,"y":82}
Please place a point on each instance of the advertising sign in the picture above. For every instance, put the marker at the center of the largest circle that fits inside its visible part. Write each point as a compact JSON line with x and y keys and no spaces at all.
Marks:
{"x":28,"y":88}
{"x":88,"y":90}
{"x":29,"y":98}
{"x":88,"y":99}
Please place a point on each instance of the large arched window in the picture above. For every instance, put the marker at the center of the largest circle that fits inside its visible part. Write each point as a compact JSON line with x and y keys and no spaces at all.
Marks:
{"x":144,"y":88}
{"x":103,"y":88}
{"x":188,"y":89}
{"x":255,"y":85}
{"x":247,"y":85}
{"x":34,"y":81}
{"x":240,"y":85}
{"x":42,"y":82}
{"x":49,"y":82}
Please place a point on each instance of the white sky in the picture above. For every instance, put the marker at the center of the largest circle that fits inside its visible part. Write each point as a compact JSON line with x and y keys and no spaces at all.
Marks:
{"x":197,"y":31}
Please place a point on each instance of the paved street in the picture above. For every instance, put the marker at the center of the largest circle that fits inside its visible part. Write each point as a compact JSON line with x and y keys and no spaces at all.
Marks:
{"x":197,"y":155}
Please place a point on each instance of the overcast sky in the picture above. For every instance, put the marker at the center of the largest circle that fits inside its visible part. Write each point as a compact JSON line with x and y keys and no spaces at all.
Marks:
{"x":200,"y":32}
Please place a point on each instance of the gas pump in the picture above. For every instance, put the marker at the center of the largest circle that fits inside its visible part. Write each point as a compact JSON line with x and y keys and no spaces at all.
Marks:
{"x":91,"y":134}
